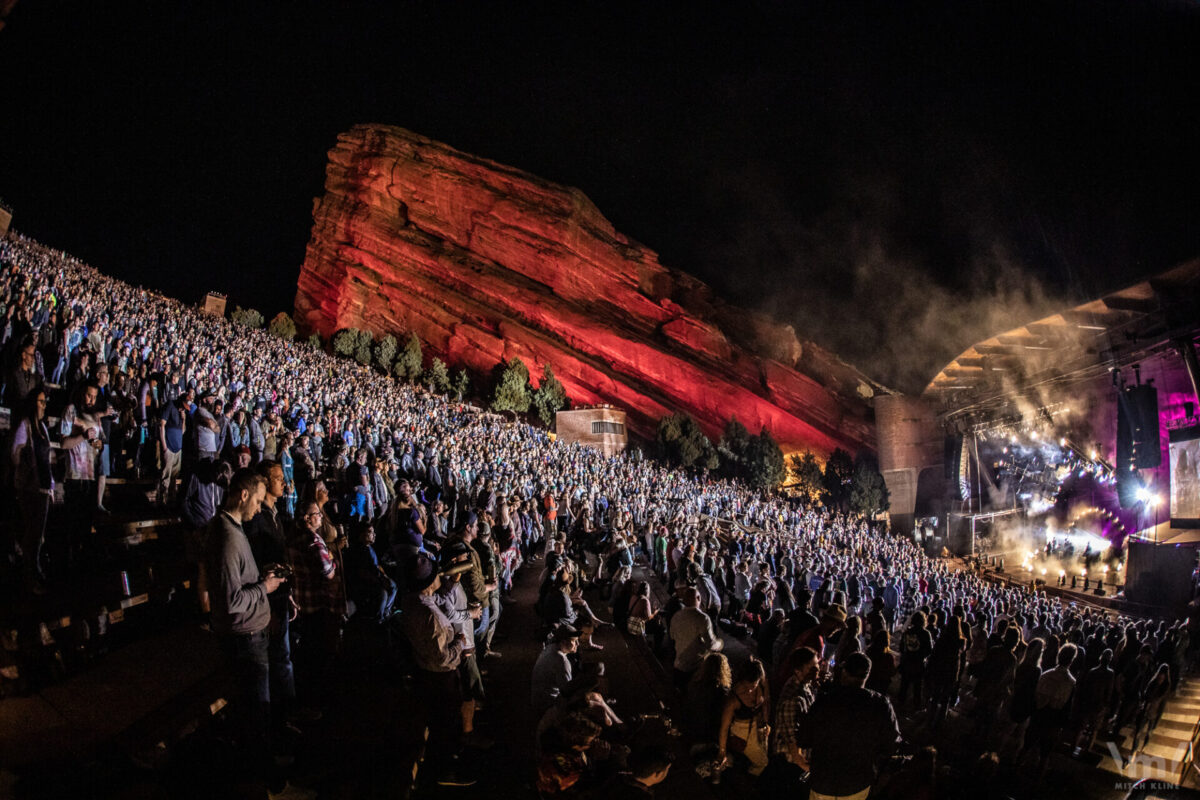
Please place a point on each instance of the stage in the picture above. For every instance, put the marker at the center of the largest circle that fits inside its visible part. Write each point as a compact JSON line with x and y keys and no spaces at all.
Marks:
{"x":1112,"y":600}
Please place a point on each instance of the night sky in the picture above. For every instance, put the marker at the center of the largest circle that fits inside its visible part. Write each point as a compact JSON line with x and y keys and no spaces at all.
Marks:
{"x":897,"y":180}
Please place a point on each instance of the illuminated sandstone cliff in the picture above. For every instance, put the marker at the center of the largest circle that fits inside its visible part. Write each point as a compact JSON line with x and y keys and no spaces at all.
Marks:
{"x":485,"y":262}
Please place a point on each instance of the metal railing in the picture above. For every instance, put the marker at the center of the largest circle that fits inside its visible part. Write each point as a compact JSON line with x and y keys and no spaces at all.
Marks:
{"x":1188,"y":767}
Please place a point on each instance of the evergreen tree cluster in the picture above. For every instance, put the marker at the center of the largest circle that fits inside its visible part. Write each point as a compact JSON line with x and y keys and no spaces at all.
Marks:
{"x":247,"y":317}
{"x":757,"y":460}
{"x":681,"y":443}
{"x":515,"y":393}
{"x":754,"y":459}
{"x":511,"y":388}
{"x":844,"y":483}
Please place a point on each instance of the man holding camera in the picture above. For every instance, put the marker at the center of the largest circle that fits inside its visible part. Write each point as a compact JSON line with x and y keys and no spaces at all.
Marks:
{"x":438,"y":650}
{"x":241,"y":612}
{"x":268,"y":542}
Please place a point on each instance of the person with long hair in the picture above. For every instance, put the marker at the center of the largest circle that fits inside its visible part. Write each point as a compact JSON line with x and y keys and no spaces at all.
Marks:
{"x":1024,"y":696}
{"x":883,"y":662}
{"x":30,"y":454}
{"x":318,"y":492}
{"x":744,"y":725}
{"x":1095,"y":696}
{"x":319,"y":591}
{"x":789,"y":762}
{"x":707,"y":692}
{"x":563,"y":754}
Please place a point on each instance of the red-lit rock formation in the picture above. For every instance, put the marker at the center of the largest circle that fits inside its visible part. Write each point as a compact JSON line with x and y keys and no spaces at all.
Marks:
{"x":485,"y":262}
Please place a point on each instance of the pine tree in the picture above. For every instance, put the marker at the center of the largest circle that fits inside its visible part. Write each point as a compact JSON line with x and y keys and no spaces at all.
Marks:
{"x":512,"y":390}
{"x":550,"y":397}
{"x":868,"y":491}
{"x":682,"y":443}
{"x":734,"y":448}
{"x":437,"y":377}
{"x":362,"y":348}
{"x":839,"y":473}
{"x":410,"y":360}
{"x":462,"y":385}
{"x":385,"y":352}
{"x":764,"y":462}
{"x":314,"y":341}
{"x":808,"y":474}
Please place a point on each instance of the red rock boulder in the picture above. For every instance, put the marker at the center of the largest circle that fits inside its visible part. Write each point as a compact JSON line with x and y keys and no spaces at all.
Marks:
{"x":485,"y":262}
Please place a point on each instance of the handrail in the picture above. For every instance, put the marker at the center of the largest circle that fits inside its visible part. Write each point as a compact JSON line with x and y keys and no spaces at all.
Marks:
{"x":1189,"y":758}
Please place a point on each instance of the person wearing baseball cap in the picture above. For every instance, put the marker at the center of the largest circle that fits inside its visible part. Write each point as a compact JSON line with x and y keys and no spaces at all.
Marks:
{"x":552,"y":670}
{"x":833,"y":619}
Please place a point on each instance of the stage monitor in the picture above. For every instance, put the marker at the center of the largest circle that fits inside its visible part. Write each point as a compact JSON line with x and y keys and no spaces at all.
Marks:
{"x":1184,"y":452}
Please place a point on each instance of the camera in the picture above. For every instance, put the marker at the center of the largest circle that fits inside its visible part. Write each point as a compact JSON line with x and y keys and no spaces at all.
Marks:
{"x":284,"y":571}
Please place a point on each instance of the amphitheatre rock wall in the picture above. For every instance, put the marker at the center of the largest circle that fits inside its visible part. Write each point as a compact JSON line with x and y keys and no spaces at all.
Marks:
{"x":485,"y":262}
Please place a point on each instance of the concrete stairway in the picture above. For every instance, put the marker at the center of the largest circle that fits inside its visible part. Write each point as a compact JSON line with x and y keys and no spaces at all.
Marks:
{"x":1163,"y":758}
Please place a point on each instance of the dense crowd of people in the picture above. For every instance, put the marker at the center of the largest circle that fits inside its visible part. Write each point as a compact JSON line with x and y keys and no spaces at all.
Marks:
{"x":317,"y":491}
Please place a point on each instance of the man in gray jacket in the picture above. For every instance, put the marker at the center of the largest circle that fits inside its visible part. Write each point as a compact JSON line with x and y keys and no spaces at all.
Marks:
{"x":241,"y":612}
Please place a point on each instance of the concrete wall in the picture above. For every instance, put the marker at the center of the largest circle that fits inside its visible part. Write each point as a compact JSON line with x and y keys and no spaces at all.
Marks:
{"x":576,"y":426}
{"x":214,"y":304}
{"x":909,"y":441}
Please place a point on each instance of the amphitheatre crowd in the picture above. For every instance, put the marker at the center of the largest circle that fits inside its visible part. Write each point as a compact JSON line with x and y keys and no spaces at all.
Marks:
{"x":316,"y":491}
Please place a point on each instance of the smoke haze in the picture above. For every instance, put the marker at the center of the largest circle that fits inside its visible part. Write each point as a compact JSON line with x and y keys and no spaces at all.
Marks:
{"x":848,"y":281}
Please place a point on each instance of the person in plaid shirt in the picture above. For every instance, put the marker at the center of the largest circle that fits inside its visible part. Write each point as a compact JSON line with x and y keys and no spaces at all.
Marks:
{"x":319,"y":591}
{"x":788,"y":763}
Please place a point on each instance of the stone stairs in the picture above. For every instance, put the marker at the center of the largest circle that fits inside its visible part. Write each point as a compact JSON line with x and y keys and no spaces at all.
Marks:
{"x":1164,"y":757}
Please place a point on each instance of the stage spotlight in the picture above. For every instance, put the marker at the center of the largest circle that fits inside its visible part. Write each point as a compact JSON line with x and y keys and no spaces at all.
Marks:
{"x":1143,"y":494}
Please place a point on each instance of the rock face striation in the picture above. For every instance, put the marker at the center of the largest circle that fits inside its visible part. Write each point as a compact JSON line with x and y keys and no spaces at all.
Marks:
{"x":485,"y":262}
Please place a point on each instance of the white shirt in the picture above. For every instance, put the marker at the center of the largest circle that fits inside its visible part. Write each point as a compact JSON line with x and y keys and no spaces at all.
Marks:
{"x":692,"y":633}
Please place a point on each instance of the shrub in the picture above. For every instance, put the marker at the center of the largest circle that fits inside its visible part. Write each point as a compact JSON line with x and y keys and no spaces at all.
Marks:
{"x":247,"y":317}
{"x":282,"y":326}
